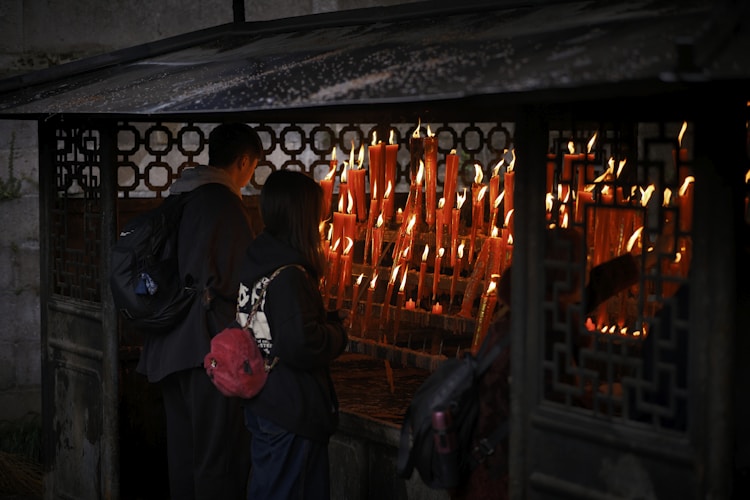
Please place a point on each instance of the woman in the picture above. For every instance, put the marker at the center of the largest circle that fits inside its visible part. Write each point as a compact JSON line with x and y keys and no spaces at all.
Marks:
{"x":296,"y":412}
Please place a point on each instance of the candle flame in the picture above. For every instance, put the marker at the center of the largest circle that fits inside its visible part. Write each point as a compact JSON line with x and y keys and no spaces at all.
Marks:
{"x":620,"y":167}
{"x":420,"y":173}
{"x":512,"y":165}
{"x":375,"y":191}
{"x":564,"y":222}
{"x":392,"y":137}
{"x":361,"y":157}
{"x":494,"y":232}
{"x":478,"y":174}
{"x":333,"y":155}
{"x":388,"y":190}
{"x":480,"y":195}
{"x":359,"y":280}
{"x":682,"y":133}
{"x":380,"y":221}
{"x":571,"y":147}
{"x":453,"y":152}
{"x":425,"y":253}
{"x":441,"y":203}
{"x":460,"y":199}
{"x":491,"y":287}
{"x":351,"y":155}
{"x":510,"y":239}
{"x":549,"y":201}
{"x":373,"y":281}
{"x":677,"y":257}
{"x":633,"y":238}
{"x":374,"y":138}
{"x":461,"y":250}
{"x":646,"y":194}
{"x":496,"y":168}
{"x":686,"y":184}
{"x":403,"y":283}
{"x":349,"y":245}
{"x":591,"y":143}
{"x":343,"y":171}
{"x":499,"y":199}
{"x":330,"y":232}
{"x":411,"y":223}
{"x":415,"y":134}
{"x":336,"y":245}
{"x":747,"y":176}
{"x":429,"y":132}
{"x":405,"y":253}
{"x":332,"y":171}
{"x":394,"y":273}
{"x":667,"y":197}
{"x":350,"y":202}
{"x":507,"y":216}
{"x":441,"y":252}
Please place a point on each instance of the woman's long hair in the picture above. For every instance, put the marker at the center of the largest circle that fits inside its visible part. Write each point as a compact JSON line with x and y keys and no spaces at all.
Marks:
{"x":291,"y":204}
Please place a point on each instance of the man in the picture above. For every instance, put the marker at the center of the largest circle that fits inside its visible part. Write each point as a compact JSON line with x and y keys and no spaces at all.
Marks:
{"x":207,"y":443}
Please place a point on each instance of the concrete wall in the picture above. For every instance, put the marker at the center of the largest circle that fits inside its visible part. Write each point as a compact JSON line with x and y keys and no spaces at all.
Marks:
{"x":35,"y":34}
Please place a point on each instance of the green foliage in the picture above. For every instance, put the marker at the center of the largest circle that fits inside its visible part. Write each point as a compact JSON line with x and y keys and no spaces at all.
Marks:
{"x":10,"y":188}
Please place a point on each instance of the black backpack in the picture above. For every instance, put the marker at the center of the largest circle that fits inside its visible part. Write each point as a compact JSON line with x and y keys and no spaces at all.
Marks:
{"x":436,"y":435}
{"x":146,"y":286}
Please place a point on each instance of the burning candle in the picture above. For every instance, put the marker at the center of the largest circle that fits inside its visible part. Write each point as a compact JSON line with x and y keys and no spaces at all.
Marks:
{"x":376,"y":152}
{"x":349,"y":220}
{"x":451,"y":177}
{"x":346,"y":272}
{"x":586,"y":170}
{"x":509,"y":181}
{"x":415,"y":149}
{"x":495,"y":210}
{"x":357,"y":186}
{"x":388,"y":201}
{"x":391,"y":155}
{"x":372,"y":214}
{"x":685,"y":204}
{"x":456,"y":224}
{"x":389,"y":289}
{"x":486,"y":311}
{"x":477,"y":214}
{"x":430,"y":176}
{"x":414,"y":200}
{"x":355,"y":299}
{"x":437,"y":308}
{"x":368,"y":303}
{"x":496,"y":254}
{"x":422,"y":272}
{"x":475,"y":280}
{"x":400,"y":301}
{"x":566,"y":176}
{"x":333,"y":267}
{"x":439,"y":218}
{"x":456,"y":271}
{"x":436,"y":279}
{"x":377,"y":240}
{"x":410,"y":305}
{"x":681,"y":156}
{"x":494,"y":193}
{"x":343,"y":185}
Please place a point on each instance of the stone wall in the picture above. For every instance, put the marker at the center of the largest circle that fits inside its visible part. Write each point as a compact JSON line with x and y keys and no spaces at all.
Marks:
{"x":35,"y":34}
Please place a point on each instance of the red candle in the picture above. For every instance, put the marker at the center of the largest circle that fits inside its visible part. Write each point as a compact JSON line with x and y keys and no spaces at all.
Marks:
{"x":415,"y":150}
{"x":355,"y":299}
{"x":377,"y":240}
{"x":566,"y":176}
{"x":346,"y":272}
{"x":356,"y":181}
{"x":509,"y":182}
{"x":495,"y":210}
{"x":388,"y":201}
{"x":494,"y":193}
{"x":391,"y":155}
{"x":602,"y":228}
{"x":586,"y":170}
{"x":376,"y":152}
{"x":368,"y":303}
{"x":422,"y":272}
{"x":475,"y":281}
{"x":681,"y":157}
{"x":439,"y":218}
{"x":496,"y":255}
{"x":451,"y":178}
{"x":430,"y":176}
{"x":400,"y":301}
{"x":550,"y":172}
{"x":349,"y":220}
{"x":437,"y":308}
{"x":389,"y":289}
{"x":410,"y":305}
{"x":477,"y":217}
{"x":484,"y":316}
{"x":456,"y":270}
{"x":333,"y":266}
{"x":371,"y":216}
{"x":685,"y":204}
{"x":456,"y":225}
{"x":436,"y":279}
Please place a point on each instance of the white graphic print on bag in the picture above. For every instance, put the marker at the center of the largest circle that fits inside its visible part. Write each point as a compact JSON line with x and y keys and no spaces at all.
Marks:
{"x":259,"y":323}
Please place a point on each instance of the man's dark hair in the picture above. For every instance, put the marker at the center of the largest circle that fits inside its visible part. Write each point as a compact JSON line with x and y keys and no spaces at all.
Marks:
{"x":229,"y":141}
